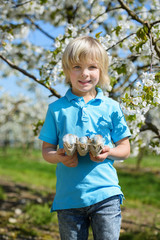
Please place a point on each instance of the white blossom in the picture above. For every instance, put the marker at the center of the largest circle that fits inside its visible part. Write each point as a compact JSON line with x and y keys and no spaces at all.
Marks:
{"x":119,"y":38}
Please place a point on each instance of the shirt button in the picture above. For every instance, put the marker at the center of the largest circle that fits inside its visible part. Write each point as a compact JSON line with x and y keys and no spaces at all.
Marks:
{"x":84,"y":119}
{"x":84,"y":111}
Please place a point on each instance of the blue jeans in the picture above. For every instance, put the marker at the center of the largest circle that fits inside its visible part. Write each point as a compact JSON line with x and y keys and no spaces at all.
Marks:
{"x":104,"y":218}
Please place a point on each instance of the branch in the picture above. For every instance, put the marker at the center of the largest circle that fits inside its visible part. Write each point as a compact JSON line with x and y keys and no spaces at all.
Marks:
{"x":154,"y":23}
{"x":156,"y":48}
{"x":131,"y":84}
{"x":150,"y":126}
{"x":21,"y":4}
{"x":130,"y":12}
{"x":151,"y":48}
{"x":101,"y":14}
{"x":144,"y":23}
{"x":120,"y":41}
{"x":12,"y":65}
{"x":40,"y":29}
{"x":146,"y":67}
{"x":154,"y":42}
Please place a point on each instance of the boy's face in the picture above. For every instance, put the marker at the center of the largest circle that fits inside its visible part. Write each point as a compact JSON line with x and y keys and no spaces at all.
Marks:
{"x":84,"y":77}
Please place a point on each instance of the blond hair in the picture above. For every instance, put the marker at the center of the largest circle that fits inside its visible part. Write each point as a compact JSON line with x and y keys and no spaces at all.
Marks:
{"x":81,"y":49}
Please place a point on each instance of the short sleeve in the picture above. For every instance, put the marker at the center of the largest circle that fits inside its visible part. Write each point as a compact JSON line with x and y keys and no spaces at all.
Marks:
{"x":120,"y":129}
{"x":48,"y":132}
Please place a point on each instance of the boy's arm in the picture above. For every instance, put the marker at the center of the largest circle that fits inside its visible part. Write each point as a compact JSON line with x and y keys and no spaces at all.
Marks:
{"x":121,"y":151}
{"x":52,"y":155}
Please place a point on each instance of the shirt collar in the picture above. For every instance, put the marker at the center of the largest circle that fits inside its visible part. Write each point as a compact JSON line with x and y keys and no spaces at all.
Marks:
{"x":70,"y":96}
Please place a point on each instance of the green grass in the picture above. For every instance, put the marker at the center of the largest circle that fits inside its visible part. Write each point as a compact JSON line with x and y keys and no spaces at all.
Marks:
{"x":2,"y":194}
{"x":141,"y":185}
{"x":148,"y":161}
{"x":27,"y":167}
{"x":140,"y":236}
{"x":41,"y":216}
{"x":141,"y":188}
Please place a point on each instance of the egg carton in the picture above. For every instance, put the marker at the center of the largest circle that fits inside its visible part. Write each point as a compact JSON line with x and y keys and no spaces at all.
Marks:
{"x":83,"y":145}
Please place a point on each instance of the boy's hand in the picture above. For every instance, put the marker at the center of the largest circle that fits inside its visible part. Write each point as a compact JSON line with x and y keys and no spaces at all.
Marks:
{"x":68,"y":161}
{"x":102,"y":156}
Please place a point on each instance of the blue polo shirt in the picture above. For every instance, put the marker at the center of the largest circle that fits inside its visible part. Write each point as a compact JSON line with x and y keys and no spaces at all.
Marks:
{"x":89,"y":182}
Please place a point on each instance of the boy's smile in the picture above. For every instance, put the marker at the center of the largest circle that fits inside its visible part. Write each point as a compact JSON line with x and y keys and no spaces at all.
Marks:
{"x":84,"y":82}
{"x":84,"y":77}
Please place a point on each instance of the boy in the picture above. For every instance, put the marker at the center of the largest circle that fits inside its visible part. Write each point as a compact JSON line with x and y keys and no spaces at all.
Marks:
{"x":87,"y":190}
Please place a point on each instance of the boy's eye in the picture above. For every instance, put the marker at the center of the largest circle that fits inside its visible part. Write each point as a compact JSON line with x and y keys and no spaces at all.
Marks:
{"x":93,"y":66}
{"x":76,"y":67}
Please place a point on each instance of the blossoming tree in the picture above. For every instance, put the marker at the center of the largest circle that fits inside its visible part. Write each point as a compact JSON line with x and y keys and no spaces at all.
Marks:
{"x":130,"y":32}
{"x":20,"y":118}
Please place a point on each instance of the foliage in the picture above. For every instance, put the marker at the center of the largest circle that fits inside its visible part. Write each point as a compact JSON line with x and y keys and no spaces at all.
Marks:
{"x":146,"y":190}
{"x":128,"y":30}
{"x":41,"y":216}
{"x":36,"y":181}
{"x":28,"y":167}
{"x":32,"y":169}
{"x":143,"y":235}
{"x":19,"y":119}
{"x":2,"y":194}
{"x":151,"y":161}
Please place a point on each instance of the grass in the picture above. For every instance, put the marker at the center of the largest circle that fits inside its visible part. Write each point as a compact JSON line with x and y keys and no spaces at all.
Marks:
{"x":2,"y":194}
{"x":40,"y":216}
{"x":140,"y":236}
{"x":27,"y":167}
{"x":149,"y":161}
{"x":141,"y":188}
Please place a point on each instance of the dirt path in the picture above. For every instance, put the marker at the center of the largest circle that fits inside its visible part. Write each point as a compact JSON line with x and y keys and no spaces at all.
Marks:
{"x":15,"y":224}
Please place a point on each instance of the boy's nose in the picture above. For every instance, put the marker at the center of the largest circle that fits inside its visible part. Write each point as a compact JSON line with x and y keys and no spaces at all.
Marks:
{"x":85,"y":73}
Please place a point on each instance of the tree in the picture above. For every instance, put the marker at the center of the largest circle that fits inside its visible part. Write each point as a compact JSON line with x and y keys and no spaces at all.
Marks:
{"x":20,"y":118}
{"x":129,"y":31}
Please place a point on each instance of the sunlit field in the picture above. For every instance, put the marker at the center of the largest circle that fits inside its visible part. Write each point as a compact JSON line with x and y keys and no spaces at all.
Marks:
{"x":28,"y":187}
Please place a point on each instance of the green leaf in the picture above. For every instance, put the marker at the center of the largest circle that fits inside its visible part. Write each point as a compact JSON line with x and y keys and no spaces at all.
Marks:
{"x":142,"y":33}
{"x":121,"y":69}
{"x":52,"y":15}
{"x":132,"y":48}
{"x":157,"y":77}
{"x":113,"y":81}
{"x":98,"y":34}
{"x":130,"y":118}
{"x":37,"y":127}
{"x":126,"y":95}
{"x":145,"y":29}
{"x":40,"y":72}
{"x":3,"y":43}
{"x":121,"y":44}
{"x":43,"y":1}
{"x":139,"y":45}
{"x":117,"y":30}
